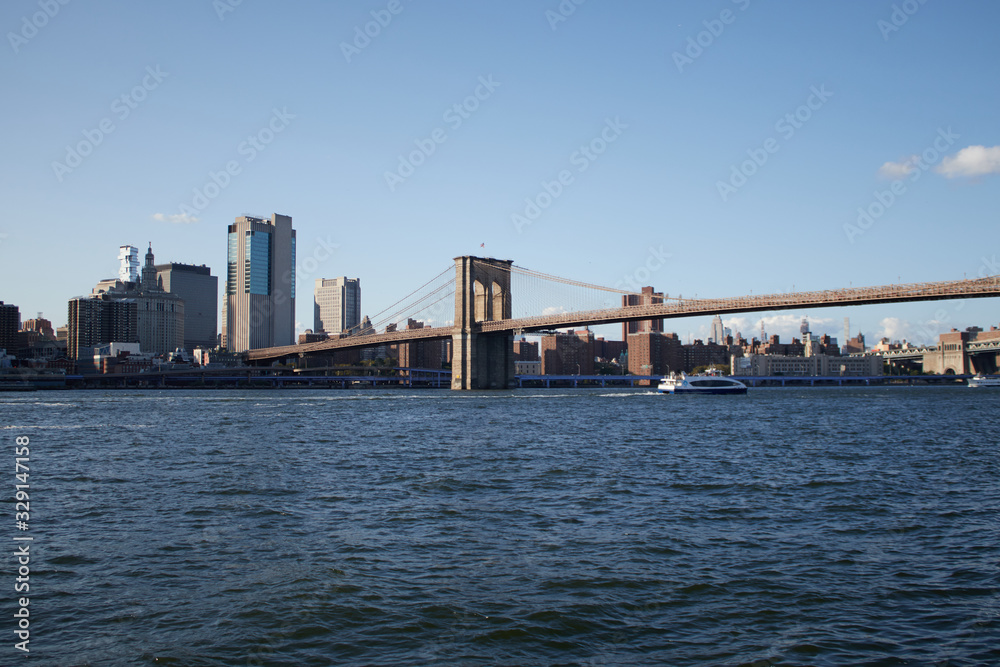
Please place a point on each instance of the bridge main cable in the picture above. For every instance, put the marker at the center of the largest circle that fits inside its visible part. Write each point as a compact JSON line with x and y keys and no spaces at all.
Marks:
{"x":376,"y":322}
{"x":567,"y":281}
{"x":411,"y":308}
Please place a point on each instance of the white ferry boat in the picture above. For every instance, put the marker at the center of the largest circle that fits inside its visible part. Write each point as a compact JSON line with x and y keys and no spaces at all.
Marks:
{"x":981,"y":380}
{"x":712,"y":382}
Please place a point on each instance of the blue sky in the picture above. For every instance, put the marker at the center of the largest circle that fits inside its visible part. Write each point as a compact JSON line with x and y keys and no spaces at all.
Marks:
{"x":740,"y":138}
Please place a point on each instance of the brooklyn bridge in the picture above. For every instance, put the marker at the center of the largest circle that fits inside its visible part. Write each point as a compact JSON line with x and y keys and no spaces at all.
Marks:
{"x":483,"y":326}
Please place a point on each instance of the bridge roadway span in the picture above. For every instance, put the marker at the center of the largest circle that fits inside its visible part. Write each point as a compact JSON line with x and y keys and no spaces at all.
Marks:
{"x":854,"y":296}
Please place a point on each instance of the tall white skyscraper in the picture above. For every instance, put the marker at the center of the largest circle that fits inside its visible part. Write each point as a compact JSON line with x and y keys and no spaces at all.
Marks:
{"x":260,"y":283}
{"x":718,"y":334}
{"x":337,"y":304}
{"x":128,"y":264}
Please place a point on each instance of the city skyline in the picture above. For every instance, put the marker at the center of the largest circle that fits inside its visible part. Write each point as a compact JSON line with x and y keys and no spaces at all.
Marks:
{"x":613,"y":143}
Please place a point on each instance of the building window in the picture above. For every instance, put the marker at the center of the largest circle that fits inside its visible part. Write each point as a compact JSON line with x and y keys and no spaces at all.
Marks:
{"x":293,"y":267}
{"x":257,"y":263}
{"x":232,"y":264}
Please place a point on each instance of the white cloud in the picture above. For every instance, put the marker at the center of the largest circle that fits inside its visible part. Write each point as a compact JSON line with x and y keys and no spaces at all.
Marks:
{"x":554,"y":310}
{"x":895,"y":329}
{"x":971,"y":161}
{"x":176,"y":219}
{"x":901,"y":169}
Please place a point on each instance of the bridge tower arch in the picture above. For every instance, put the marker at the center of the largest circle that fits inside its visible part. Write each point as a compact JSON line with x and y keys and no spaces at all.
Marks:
{"x":482,"y":294}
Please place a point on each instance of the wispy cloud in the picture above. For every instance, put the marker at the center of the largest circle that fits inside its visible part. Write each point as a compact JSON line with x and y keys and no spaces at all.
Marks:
{"x":971,"y":161}
{"x":901,"y":169}
{"x":176,"y":219}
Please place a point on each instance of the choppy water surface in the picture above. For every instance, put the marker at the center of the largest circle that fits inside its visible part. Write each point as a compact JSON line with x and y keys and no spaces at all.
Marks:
{"x":539,"y":527}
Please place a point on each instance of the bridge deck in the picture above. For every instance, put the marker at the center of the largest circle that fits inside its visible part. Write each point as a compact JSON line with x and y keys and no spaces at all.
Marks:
{"x":952,"y":289}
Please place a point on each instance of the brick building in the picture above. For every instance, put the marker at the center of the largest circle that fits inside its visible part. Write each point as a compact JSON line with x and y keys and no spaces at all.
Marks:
{"x":525,"y":350}
{"x":652,"y":353}
{"x":647,"y":298}
{"x":422,"y":353}
{"x":705,"y":354}
{"x":570,"y":353}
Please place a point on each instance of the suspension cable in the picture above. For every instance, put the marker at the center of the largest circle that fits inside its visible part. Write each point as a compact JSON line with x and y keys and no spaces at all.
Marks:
{"x":567,"y":281}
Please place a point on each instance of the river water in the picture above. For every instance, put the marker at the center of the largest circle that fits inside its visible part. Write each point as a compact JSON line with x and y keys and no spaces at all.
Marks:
{"x":825,"y":526}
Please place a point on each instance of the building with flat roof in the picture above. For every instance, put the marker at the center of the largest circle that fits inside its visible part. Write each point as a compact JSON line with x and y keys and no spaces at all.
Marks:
{"x":816,"y":365}
{"x":260,"y":283}
{"x":98,"y":320}
{"x":200,"y":291}
{"x":570,"y":353}
{"x":705,"y":354}
{"x":527,"y":367}
{"x":432,"y":354}
{"x":647,"y":298}
{"x":525,"y":350}
{"x":10,"y":324}
{"x":654,"y":353}
{"x":336,"y":304}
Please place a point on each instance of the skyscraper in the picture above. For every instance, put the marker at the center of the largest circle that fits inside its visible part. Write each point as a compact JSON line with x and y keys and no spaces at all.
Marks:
{"x":10,"y":322}
{"x":128,"y":264}
{"x":260,"y":283}
{"x":647,"y":298}
{"x":718,"y":334}
{"x":200,"y":291}
{"x":336,"y":304}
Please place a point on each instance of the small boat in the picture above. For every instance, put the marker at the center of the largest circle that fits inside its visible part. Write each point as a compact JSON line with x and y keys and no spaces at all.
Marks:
{"x":981,"y":380}
{"x":711,"y":382}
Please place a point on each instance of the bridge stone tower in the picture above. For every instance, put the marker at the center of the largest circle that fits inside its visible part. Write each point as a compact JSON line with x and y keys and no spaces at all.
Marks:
{"x":482,"y":294}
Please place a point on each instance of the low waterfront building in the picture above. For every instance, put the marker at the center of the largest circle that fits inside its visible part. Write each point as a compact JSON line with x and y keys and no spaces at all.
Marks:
{"x":816,"y":365}
{"x":527,"y":367}
{"x":969,"y":351}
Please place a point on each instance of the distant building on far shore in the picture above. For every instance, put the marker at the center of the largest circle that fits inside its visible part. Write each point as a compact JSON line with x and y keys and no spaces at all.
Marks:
{"x":336,"y":305}
{"x":200,"y":291}
{"x":718,"y":334}
{"x":816,"y":365}
{"x":98,"y":320}
{"x":855,"y":345}
{"x":159,"y":313}
{"x":260,"y":284}
{"x":647,"y":298}
{"x":10,"y":324}
{"x":570,"y":353}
